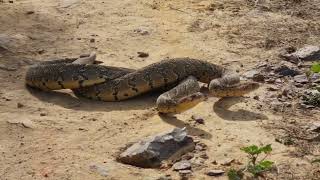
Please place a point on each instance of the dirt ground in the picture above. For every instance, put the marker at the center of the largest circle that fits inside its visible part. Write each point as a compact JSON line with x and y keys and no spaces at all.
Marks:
{"x":57,"y":136}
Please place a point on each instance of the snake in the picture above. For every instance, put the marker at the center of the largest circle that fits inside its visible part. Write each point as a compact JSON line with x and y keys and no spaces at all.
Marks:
{"x":178,"y":77}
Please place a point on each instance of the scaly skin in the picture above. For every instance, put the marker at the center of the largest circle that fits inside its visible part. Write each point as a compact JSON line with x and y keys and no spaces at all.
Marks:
{"x":108,"y":83}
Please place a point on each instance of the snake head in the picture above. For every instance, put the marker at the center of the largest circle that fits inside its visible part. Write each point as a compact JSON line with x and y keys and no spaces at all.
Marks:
{"x":237,"y":90}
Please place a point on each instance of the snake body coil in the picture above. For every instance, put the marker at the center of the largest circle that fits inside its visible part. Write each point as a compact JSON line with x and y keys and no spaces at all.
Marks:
{"x":109,"y":83}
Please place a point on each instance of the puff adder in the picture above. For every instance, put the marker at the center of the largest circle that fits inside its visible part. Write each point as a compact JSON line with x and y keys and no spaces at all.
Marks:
{"x":179,"y":76}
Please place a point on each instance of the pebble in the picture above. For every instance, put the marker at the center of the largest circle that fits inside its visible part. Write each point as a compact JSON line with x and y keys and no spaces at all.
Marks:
{"x":141,"y":31}
{"x":197,"y":119}
{"x":250,"y":74}
{"x":286,"y":70}
{"x":315,"y":127}
{"x":183,"y":172}
{"x":227,"y":162}
{"x":142,"y":54}
{"x":43,"y":114}
{"x":201,"y":147}
{"x":306,"y":53}
{"x":315,"y":77}
{"x":301,"y":78}
{"x":182,"y":165}
{"x":30,"y":12}
{"x":258,"y":78}
{"x":99,"y":169}
{"x":215,"y":172}
{"x":19,"y":105}
{"x":187,"y":156}
{"x":166,"y":177}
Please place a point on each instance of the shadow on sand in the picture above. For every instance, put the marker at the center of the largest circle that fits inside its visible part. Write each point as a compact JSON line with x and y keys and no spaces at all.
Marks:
{"x":221,"y":108}
{"x":67,"y":100}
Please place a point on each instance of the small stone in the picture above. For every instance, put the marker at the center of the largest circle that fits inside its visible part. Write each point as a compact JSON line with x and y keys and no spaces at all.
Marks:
{"x":99,"y":169}
{"x":141,"y":31}
{"x":68,"y":3}
{"x":92,"y":40}
{"x":142,"y":54}
{"x":30,"y":12}
{"x":187,"y":156}
{"x":270,"y":80}
{"x":201,"y":147}
{"x":227,"y":162}
{"x":166,"y":177}
{"x":315,"y":127}
{"x":204,"y":156}
{"x":307,"y":53}
{"x":301,"y":79}
{"x":10,"y":1}
{"x":182,"y":165}
{"x":43,"y":114}
{"x":273,"y":88}
{"x":276,"y":106}
{"x":19,"y":105}
{"x":250,"y":74}
{"x":197,"y":119}
{"x":21,"y":121}
{"x":315,"y":77}
{"x":215,"y":172}
{"x":256,"y":98}
{"x":258,"y":78}
{"x":184,"y":172}
{"x":287,"y":69}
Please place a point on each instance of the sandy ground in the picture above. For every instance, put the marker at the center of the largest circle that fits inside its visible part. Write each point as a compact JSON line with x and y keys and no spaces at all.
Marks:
{"x":57,"y":136}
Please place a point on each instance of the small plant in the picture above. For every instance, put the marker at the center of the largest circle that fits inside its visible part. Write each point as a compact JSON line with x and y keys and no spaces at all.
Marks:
{"x":315,"y":68}
{"x":256,"y":166}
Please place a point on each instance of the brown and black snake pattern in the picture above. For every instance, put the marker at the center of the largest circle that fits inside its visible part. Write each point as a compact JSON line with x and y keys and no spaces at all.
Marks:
{"x":109,"y":83}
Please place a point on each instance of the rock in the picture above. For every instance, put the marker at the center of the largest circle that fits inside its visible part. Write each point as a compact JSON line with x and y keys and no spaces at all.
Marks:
{"x":201,"y":147}
{"x":13,"y":43}
{"x":311,"y":97}
{"x":287,"y":69}
{"x":142,"y":54}
{"x":315,"y":78}
{"x":182,"y":165}
{"x":258,"y":78}
{"x":227,"y":162}
{"x":197,"y":119}
{"x":43,"y":114}
{"x":307,"y":53}
{"x":30,"y":12}
{"x":166,"y":177}
{"x":22,"y":121}
{"x":68,"y":3}
{"x":250,"y":74}
{"x":315,"y":127}
{"x":215,"y":172}
{"x":185,"y":172}
{"x":204,"y":156}
{"x":141,"y":31}
{"x":19,"y":105}
{"x":153,"y":150}
{"x":99,"y":169}
{"x":301,"y":79}
{"x":276,"y":106}
{"x":187,"y":156}
{"x":273,"y":88}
